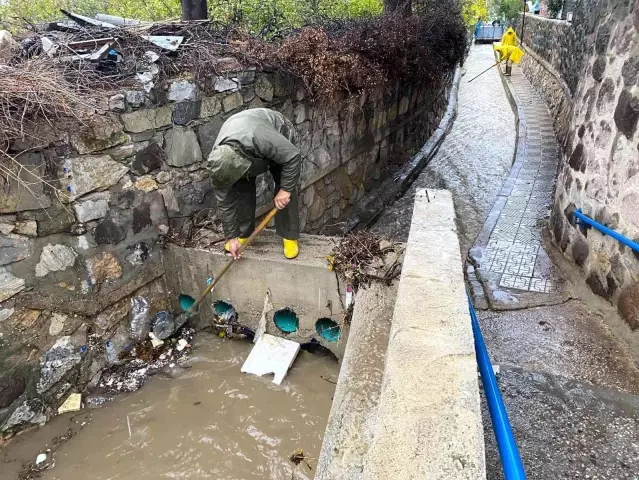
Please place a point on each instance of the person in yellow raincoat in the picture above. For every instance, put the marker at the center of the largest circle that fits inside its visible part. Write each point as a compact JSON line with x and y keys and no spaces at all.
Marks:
{"x":509,"y":50}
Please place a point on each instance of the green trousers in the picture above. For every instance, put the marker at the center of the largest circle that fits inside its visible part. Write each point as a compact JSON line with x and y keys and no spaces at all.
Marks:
{"x":287,"y":221}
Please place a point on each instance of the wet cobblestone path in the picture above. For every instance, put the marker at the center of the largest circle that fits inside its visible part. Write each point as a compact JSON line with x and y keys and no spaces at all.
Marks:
{"x":570,"y":386}
{"x":508,"y":251}
{"x":474,"y":158}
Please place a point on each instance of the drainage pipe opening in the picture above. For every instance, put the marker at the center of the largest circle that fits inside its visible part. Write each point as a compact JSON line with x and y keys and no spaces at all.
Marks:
{"x":328,"y":329}
{"x":286,"y":320}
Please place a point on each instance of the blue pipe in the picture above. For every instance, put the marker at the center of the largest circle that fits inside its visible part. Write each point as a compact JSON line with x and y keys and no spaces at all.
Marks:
{"x":606,"y":231}
{"x":508,"y":452}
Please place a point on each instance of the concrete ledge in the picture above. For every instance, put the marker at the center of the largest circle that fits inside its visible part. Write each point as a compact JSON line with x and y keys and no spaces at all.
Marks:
{"x":429,"y":419}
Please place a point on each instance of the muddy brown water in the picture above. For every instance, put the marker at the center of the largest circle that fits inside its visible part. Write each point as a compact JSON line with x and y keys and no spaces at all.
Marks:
{"x":211,"y":422}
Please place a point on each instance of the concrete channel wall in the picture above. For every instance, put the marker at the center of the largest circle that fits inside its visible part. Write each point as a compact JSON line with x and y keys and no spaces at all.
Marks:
{"x":304,"y":285}
{"x":423,"y":419}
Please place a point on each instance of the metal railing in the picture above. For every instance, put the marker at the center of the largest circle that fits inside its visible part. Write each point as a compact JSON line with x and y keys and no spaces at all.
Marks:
{"x":510,"y":460}
{"x":585,"y":219}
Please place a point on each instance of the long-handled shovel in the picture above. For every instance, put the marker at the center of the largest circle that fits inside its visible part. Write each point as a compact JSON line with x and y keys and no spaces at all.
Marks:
{"x":477,"y":76}
{"x":183,"y":317}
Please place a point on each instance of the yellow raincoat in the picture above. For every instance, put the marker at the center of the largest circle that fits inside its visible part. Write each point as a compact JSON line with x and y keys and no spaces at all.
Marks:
{"x":508,"y":47}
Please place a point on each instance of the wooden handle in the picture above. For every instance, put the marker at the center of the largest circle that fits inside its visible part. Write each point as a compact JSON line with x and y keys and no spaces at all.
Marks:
{"x":232,"y":260}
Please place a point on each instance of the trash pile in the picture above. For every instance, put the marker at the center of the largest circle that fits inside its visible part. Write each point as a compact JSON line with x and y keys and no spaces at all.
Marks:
{"x":152,"y":345}
{"x":144,"y":360}
{"x":69,"y":67}
{"x":363,"y":257}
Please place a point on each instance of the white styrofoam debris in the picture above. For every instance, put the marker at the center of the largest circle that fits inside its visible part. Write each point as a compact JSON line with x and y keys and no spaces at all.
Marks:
{"x":72,"y":404}
{"x":41,"y":458}
{"x":271,"y":355}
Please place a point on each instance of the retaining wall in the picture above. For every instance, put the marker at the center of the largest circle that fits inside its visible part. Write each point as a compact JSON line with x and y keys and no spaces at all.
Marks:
{"x":133,"y":173}
{"x":587,"y":72}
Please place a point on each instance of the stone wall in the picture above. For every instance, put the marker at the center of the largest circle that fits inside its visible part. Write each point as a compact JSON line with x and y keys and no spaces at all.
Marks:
{"x":132,"y":173}
{"x":596,"y":118}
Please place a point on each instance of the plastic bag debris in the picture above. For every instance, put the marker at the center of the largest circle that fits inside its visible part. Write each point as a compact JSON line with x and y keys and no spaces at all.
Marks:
{"x":163,"y":325}
{"x":140,"y":318}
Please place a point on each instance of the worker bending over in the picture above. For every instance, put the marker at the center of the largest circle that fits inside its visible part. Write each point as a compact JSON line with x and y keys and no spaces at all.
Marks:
{"x":250,"y":143}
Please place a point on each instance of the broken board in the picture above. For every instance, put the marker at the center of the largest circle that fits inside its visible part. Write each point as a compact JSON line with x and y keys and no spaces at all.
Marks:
{"x":271,"y":355}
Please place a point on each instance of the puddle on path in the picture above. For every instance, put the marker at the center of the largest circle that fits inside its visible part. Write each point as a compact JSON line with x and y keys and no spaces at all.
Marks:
{"x":211,"y":422}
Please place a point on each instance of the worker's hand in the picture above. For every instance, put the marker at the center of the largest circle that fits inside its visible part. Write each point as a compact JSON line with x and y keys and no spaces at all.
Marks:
{"x":234,"y":246}
{"x":281,"y":199}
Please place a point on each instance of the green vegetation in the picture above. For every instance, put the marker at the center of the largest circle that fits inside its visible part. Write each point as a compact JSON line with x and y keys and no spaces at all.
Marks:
{"x":253,"y":14}
{"x":554,"y":7}
{"x":510,"y":10}
{"x":473,"y":10}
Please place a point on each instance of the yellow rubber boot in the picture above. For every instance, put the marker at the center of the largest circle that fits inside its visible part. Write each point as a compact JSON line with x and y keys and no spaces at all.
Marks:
{"x":242,"y":242}
{"x":291,"y":249}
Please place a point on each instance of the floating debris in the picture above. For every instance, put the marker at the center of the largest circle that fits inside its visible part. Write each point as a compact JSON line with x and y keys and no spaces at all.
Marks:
{"x":144,"y":360}
{"x":73,"y":403}
{"x":299,"y":457}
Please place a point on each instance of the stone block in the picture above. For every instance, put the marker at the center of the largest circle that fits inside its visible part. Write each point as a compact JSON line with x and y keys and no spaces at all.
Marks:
{"x":81,"y":175}
{"x":28,"y":228}
{"x":580,"y":251}
{"x":599,"y":68}
{"x":630,"y":70}
{"x":8,"y":46}
{"x":629,"y":305}
{"x":98,"y":133}
{"x":627,"y":113}
{"x":630,"y":208}
{"x":135,"y":98}
{"x":55,"y":258}
{"x":14,"y":248}
{"x":146,"y":184}
{"x":55,"y":219}
{"x":245,"y":77}
{"x":148,"y":159}
{"x":117,"y":103}
{"x":223,"y":84}
{"x":182,"y":90}
{"x":182,"y":148}
{"x":232,"y":101}
{"x":185,"y":112}
{"x":264,"y":88}
{"x":62,"y":357}
{"x":104,"y":267}
{"x":257,"y":103}
{"x":210,"y":106}
{"x":147,"y":119}
{"x":92,"y":207}
{"x":185,"y":200}
{"x":207,"y":134}
{"x":16,"y":198}
{"x":10,"y":285}
{"x":113,"y":228}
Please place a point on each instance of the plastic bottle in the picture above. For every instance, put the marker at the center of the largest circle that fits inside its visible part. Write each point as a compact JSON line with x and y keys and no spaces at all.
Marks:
{"x":140,"y":318}
{"x":111,"y":352}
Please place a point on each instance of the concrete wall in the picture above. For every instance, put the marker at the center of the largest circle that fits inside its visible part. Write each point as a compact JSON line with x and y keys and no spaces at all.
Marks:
{"x":428,"y":419}
{"x":133,"y":173}
{"x":305,"y":285}
{"x":587,"y":72}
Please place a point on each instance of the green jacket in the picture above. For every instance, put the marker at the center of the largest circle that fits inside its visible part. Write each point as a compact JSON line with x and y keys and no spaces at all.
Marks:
{"x":247,"y":144}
